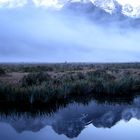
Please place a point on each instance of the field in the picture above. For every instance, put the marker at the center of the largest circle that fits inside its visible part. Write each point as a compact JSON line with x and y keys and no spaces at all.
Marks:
{"x":34,"y":84}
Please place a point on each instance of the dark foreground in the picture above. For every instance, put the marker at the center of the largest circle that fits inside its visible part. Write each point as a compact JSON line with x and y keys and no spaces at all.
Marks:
{"x":70,"y":101}
{"x":36,"y":84}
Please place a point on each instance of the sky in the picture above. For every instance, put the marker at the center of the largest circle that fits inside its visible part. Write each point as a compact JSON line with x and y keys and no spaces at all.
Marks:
{"x":134,"y":3}
{"x":37,"y":35}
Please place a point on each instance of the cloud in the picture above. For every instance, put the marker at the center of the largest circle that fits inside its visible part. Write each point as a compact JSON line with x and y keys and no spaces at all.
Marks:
{"x":50,"y":3}
{"x":59,"y":3}
{"x":13,"y":3}
{"x":36,"y":3}
{"x":134,"y":3}
{"x":37,"y":35}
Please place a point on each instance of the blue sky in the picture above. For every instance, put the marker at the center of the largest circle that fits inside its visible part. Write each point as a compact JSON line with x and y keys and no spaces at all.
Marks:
{"x":38,"y":35}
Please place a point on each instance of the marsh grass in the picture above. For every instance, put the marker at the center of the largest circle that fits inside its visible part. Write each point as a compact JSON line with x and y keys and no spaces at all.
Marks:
{"x":49,"y":83}
{"x":2,"y":72}
{"x":35,"y":79}
{"x":42,"y":87}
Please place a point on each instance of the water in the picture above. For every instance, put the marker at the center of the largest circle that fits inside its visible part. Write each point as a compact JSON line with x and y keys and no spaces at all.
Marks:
{"x":109,"y":121}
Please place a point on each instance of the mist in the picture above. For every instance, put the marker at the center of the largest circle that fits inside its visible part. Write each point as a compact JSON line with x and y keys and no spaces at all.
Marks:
{"x":40,"y":35}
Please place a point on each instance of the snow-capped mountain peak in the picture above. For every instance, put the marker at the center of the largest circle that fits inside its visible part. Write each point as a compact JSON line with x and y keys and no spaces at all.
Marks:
{"x":109,"y":6}
{"x":131,"y":11}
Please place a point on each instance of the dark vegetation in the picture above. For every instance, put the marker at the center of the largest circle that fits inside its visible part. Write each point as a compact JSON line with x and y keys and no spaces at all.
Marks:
{"x":8,"y":108}
{"x":35,"y":79}
{"x":2,"y":71}
{"x":63,"y":67}
{"x":53,"y":83}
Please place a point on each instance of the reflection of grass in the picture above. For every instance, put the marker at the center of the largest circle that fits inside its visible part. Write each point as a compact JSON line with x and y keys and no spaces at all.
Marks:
{"x":41,"y":87}
{"x":50,"y":107}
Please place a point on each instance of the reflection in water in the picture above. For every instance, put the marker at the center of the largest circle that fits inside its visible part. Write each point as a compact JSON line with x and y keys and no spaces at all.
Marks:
{"x":73,"y":121}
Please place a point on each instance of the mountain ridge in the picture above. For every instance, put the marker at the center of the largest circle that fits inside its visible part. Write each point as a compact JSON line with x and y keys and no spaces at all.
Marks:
{"x":109,"y":6}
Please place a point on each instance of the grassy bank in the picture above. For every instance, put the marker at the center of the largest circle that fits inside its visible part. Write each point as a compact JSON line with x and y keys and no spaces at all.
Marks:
{"x":36,"y":83}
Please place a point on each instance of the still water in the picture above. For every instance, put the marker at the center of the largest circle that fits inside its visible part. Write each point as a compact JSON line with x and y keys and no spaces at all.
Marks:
{"x":96,"y":121}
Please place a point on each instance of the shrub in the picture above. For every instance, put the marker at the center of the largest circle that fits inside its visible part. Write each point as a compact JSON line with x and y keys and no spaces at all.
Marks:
{"x":2,"y":71}
{"x":98,"y":75}
{"x":35,"y":79}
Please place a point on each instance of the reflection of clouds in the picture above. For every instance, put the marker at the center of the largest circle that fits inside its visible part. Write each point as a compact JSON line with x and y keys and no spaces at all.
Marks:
{"x":137,"y":101}
{"x":128,"y":114}
{"x":108,"y":118}
{"x":131,"y":113}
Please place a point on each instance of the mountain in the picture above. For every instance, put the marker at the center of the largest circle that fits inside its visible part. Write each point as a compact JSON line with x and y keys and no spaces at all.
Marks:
{"x":130,"y":11}
{"x":104,"y":12}
{"x":96,"y":13}
{"x":112,"y":6}
{"x":109,"y":6}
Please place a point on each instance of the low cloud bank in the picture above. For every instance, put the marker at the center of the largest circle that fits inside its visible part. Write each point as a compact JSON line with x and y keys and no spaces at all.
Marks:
{"x":39,"y":35}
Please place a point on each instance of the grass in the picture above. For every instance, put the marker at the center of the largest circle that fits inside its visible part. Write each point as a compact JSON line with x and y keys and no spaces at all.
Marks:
{"x":69,"y":82}
{"x":2,"y":71}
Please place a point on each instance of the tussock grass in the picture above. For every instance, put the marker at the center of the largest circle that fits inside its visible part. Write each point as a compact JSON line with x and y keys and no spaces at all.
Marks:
{"x":43,"y":87}
{"x":2,"y":71}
